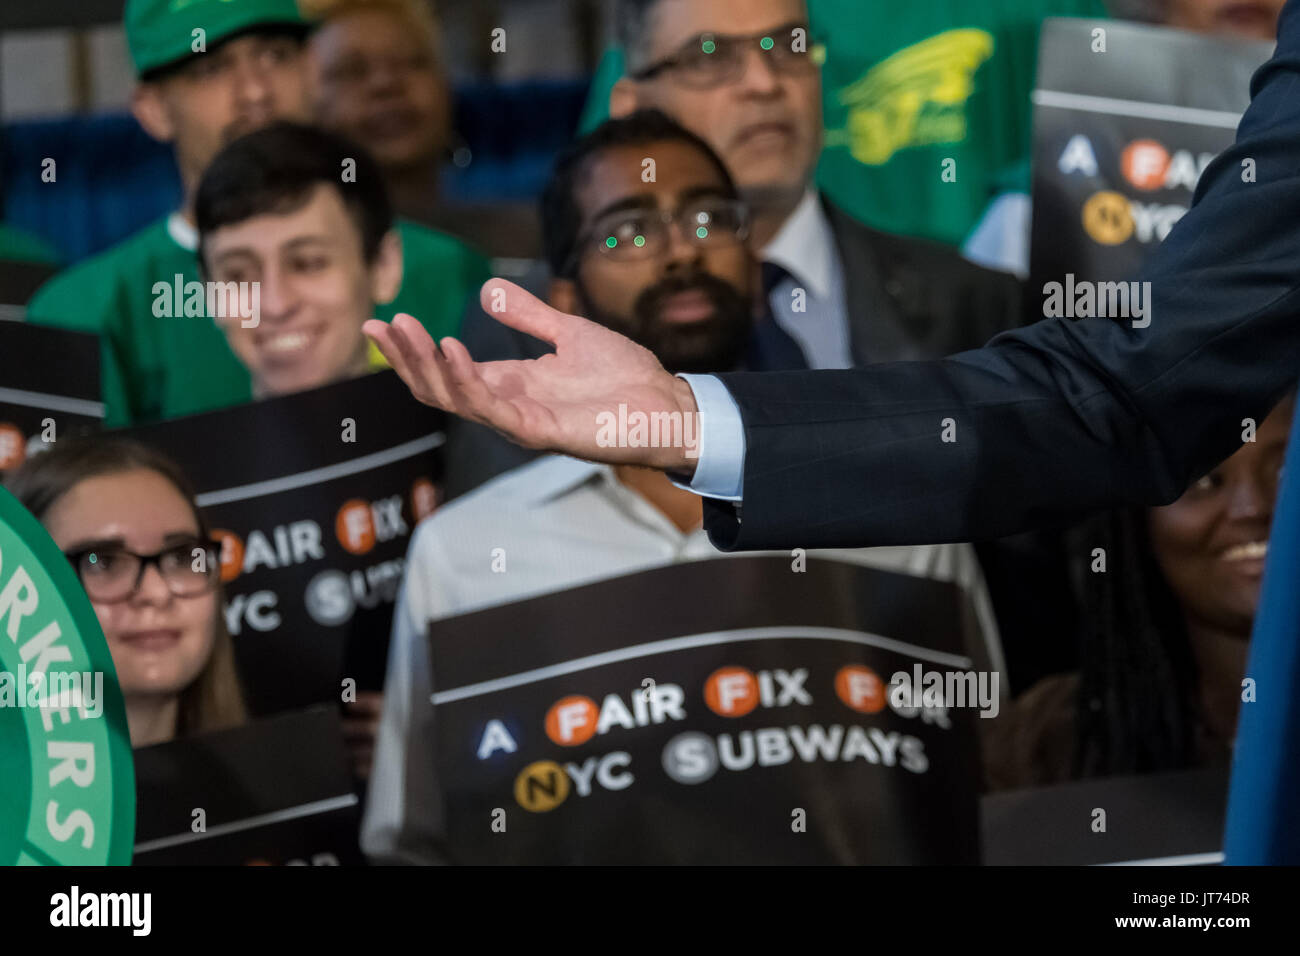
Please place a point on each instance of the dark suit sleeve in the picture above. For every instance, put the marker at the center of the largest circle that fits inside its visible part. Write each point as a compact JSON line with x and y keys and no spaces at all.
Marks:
{"x":1061,"y":416}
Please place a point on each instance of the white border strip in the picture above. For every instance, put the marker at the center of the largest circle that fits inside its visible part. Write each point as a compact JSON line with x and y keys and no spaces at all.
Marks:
{"x":1155,"y":111}
{"x":1188,"y":859}
{"x":55,"y":403}
{"x":318,"y":475}
{"x":699,"y":640}
{"x":279,"y":816}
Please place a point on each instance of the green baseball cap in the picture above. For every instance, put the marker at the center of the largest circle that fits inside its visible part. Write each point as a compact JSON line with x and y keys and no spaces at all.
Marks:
{"x":162,"y":32}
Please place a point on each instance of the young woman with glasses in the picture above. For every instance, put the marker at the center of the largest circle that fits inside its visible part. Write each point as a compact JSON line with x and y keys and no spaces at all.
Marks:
{"x":125,"y":517}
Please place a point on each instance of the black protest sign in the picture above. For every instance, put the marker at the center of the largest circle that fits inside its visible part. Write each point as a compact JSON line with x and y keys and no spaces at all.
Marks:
{"x":1166,"y":817}
{"x":313,"y":497}
{"x":20,"y":279}
{"x":1125,"y":121}
{"x":49,"y":388}
{"x":724,"y":711}
{"x":272,"y":792}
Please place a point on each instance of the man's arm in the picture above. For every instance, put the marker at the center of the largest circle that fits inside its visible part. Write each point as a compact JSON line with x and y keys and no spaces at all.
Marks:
{"x":1060,"y":417}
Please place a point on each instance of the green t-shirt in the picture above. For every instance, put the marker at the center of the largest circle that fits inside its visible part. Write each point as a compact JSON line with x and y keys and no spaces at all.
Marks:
{"x":905,"y":92}
{"x":19,"y":246}
{"x":164,"y":367}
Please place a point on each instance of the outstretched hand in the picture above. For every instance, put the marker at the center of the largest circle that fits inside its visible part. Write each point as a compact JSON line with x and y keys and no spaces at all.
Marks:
{"x":563,"y":402}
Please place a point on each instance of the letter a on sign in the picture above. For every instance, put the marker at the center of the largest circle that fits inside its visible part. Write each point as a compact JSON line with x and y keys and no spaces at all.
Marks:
{"x":496,"y":738}
{"x":1078,"y":157}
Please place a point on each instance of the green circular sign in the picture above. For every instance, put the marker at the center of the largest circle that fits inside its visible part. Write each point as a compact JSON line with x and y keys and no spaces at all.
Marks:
{"x":65,"y":752}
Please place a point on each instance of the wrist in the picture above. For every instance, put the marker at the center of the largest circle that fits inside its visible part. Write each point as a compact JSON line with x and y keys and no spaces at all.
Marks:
{"x":681,"y":459}
{"x":685,"y":397}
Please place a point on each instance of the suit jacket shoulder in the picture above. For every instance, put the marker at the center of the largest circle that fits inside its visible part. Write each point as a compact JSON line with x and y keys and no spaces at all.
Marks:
{"x":911,"y":298}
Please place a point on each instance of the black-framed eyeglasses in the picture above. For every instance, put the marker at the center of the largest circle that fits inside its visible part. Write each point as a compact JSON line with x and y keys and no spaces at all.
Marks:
{"x":713,"y":59}
{"x":110,"y":573}
{"x":631,"y":234}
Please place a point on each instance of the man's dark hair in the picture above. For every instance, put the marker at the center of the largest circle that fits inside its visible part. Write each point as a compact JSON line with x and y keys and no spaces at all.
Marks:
{"x":276,"y":169}
{"x":561,"y":217}
{"x":632,"y":30}
{"x":633,"y":20}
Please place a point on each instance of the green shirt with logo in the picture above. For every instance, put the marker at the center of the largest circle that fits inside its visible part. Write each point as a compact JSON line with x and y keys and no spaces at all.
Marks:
{"x":926,"y":104}
{"x":157,"y":367}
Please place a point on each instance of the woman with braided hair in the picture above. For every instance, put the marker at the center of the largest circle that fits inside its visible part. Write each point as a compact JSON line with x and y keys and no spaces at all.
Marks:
{"x":1168,"y":597}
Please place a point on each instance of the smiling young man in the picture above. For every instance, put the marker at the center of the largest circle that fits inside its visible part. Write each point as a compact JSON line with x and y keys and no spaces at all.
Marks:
{"x":210,"y":71}
{"x":326,"y":255}
{"x":273,"y":210}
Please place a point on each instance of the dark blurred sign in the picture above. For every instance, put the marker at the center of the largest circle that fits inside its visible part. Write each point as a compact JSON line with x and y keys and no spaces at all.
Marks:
{"x":49,"y":388}
{"x":20,"y":279}
{"x":1174,"y":818}
{"x":1125,"y":122}
{"x":273,"y":792}
{"x":314,"y":497}
{"x":725,"y":711}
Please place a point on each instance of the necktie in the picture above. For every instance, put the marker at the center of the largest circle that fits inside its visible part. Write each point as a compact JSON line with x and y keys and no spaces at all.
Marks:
{"x":772,"y":349}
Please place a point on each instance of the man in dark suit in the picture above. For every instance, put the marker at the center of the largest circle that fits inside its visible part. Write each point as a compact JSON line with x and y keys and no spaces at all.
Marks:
{"x":1049,"y":421}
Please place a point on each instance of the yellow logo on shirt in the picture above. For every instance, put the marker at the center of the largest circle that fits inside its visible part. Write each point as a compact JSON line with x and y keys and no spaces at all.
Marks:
{"x":916,"y":97}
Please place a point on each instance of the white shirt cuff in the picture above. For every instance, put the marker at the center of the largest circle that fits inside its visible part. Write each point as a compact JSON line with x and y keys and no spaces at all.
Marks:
{"x":720,"y":469}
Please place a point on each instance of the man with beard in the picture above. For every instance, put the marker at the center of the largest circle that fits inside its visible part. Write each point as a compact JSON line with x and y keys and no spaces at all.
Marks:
{"x":209,"y":72}
{"x":645,"y":233}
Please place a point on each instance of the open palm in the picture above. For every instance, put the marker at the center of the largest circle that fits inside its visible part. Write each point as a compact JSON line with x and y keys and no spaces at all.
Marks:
{"x":553,"y":403}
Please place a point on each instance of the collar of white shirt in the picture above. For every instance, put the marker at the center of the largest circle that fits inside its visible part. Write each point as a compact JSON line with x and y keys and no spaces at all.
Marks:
{"x":562,"y":474}
{"x":182,"y":233}
{"x":805,"y":246}
{"x":558,"y":476}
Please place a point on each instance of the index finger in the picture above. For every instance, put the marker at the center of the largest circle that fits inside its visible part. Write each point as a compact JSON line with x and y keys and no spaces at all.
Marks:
{"x":518,"y":308}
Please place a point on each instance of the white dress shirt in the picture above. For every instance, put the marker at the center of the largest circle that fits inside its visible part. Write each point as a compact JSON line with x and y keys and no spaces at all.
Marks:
{"x":1000,"y":240}
{"x":560,"y":523}
{"x":805,"y":248}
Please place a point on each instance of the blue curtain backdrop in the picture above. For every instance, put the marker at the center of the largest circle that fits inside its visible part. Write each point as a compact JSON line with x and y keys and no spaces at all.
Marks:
{"x":112,"y":179}
{"x":1264,"y":799}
